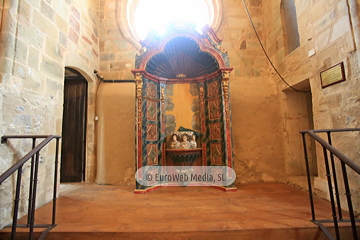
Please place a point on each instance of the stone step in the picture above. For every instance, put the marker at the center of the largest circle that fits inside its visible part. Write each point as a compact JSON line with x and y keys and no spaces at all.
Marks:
{"x":249,"y":234}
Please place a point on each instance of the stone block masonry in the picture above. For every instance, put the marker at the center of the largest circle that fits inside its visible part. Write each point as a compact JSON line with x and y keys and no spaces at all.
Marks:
{"x":38,"y":39}
{"x":330,"y":28}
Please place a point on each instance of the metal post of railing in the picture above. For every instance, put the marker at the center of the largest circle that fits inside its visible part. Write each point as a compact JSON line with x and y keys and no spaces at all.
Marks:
{"x":34,"y":157}
{"x":31,"y":182}
{"x":308,"y":178}
{"x":55,"y":181}
{"x":337,"y":194}
{"x":16,"y":203}
{"x":348,"y":197}
{"x":332,"y":201}
{"x":32,"y":219}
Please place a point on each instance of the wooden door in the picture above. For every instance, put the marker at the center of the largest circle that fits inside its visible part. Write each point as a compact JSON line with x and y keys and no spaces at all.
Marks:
{"x":74,"y":130}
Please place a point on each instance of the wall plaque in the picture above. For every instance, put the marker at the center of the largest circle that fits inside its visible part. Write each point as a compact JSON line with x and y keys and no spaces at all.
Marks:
{"x":332,"y":75}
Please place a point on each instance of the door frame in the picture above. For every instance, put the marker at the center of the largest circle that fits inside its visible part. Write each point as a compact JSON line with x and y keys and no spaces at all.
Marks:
{"x":72,"y":74}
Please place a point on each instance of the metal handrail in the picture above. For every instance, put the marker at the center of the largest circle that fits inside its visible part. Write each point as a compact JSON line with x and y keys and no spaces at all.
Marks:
{"x":333,"y":130}
{"x":34,"y":155}
{"x":336,"y":152}
{"x":24,"y":159}
{"x":345,"y":161}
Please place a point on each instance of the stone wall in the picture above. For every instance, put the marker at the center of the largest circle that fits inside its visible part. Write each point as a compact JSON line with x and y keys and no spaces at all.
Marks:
{"x":38,"y":40}
{"x":331,"y":29}
{"x":256,"y":117}
{"x":117,"y":55}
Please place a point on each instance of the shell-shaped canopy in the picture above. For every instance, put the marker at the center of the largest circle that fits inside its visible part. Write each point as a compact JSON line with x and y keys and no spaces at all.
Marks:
{"x":181,"y":57}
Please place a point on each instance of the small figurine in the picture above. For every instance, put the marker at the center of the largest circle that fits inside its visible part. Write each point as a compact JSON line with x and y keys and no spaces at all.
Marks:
{"x":185,"y":144}
{"x":175,"y":144}
{"x":193,"y":143}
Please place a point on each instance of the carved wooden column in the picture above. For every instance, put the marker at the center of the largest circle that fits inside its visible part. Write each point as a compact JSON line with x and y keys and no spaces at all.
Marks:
{"x":225,"y":88}
{"x":203,"y":121}
{"x":162,"y":123}
{"x":139,"y":89}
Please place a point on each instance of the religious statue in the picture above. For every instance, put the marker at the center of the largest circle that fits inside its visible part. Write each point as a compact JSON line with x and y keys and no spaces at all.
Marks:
{"x":185,"y":144}
{"x":175,"y":144}
{"x":180,"y":140}
{"x":193,"y":143}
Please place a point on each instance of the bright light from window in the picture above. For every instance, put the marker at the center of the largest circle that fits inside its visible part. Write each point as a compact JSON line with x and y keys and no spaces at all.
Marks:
{"x":157,"y":14}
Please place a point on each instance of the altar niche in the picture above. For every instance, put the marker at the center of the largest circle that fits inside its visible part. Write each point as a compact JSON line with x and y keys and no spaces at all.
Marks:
{"x":182,"y":80}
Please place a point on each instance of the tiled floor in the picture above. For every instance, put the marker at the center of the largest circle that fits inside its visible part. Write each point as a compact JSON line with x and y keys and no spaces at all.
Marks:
{"x":90,"y":208}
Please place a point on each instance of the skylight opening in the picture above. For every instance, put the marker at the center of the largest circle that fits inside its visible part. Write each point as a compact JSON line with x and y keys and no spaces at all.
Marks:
{"x":156,"y":15}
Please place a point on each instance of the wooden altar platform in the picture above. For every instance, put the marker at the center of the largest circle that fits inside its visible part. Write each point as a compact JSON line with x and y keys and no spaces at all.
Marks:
{"x":256,"y":211}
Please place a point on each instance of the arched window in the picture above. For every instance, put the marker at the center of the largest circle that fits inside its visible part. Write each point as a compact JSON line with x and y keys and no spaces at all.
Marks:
{"x":290,"y":25}
{"x":143,"y":16}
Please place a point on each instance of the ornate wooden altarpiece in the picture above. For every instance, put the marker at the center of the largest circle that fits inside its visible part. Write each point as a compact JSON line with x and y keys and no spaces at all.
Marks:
{"x":183,"y":55}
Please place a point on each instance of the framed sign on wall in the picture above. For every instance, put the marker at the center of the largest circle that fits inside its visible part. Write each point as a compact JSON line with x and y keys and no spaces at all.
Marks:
{"x":332,"y":75}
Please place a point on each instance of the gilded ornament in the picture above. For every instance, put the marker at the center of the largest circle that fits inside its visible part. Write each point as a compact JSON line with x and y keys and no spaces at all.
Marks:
{"x":138,"y":78}
{"x":139,"y":85}
{"x":181,"y":76}
{"x":221,"y":49}
{"x":225,"y":83}
{"x":201,"y":94}
{"x":163,"y":104}
{"x":162,"y":94}
{"x":226,"y":75}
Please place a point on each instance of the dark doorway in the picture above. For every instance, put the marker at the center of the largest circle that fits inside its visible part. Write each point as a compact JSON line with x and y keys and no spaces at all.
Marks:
{"x":73,"y":127}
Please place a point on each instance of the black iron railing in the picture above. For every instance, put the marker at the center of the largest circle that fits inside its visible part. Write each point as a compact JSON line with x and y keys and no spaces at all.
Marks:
{"x":34,"y":155}
{"x":337,"y":215}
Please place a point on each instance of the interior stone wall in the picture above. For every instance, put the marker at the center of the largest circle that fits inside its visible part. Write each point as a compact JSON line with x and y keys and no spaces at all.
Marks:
{"x":117,"y":55}
{"x":38,"y":39}
{"x":256,"y":117}
{"x":331,"y":29}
